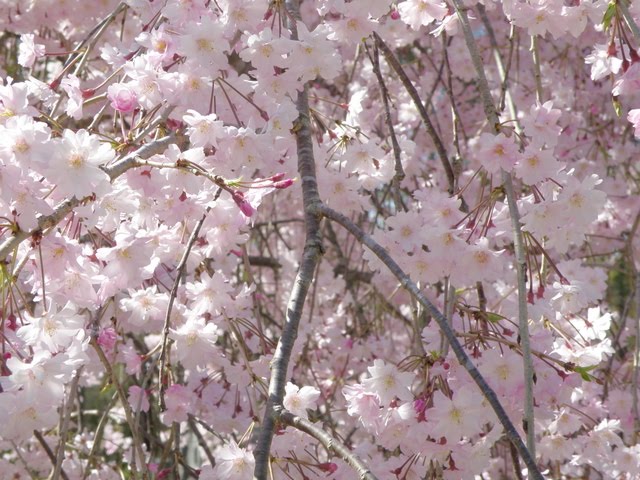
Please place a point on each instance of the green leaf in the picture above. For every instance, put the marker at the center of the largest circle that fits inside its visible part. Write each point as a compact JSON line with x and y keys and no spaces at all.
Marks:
{"x":494,"y":317}
{"x":608,"y":15}
{"x":616,"y":105}
{"x":584,"y":372}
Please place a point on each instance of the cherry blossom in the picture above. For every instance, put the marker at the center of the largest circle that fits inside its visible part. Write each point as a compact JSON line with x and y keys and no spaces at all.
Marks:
{"x":297,"y":400}
{"x":334,"y":239}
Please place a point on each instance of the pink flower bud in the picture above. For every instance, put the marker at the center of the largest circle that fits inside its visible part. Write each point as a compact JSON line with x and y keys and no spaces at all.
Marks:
{"x":122,"y":98}
{"x":395,"y":15}
{"x":245,"y":206}
{"x":276,"y":177}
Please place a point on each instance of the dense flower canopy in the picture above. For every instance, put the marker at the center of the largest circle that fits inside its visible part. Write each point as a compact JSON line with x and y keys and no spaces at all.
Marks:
{"x":320,"y":239}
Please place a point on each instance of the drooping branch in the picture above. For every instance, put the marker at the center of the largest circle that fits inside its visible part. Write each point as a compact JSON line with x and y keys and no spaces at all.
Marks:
{"x":413,"y":93}
{"x":384,"y":93}
{"x":129,"y":416}
{"x":334,"y":447}
{"x":310,"y":257}
{"x":520,"y":256}
{"x":130,"y":160}
{"x":445,"y":328}
{"x":44,"y":221}
{"x":180,"y":270}
{"x":67,"y":408}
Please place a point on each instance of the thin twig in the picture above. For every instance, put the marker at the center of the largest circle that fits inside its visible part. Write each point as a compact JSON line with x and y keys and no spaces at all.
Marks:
{"x":137,"y":444}
{"x":384,"y":93}
{"x":537,"y":74}
{"x":201,"y":441}
{"x":98,"y":435}
{"x":633,"y":26}
{"x":48,"y":451}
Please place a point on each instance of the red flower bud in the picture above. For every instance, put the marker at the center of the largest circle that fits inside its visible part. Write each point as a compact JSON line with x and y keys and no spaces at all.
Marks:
{"x":88,"y":93}
{"x":328,"y":467}
{"x":283,"y":184}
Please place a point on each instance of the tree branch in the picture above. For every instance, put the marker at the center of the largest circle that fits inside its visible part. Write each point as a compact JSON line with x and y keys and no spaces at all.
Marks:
{"x":523,"y":316}
{"x":445,"y":328}
{"x":310,"y":257}
{"x":172,"y":298}
{"x":413,"y":93}
{"x":66,"y":207}
{"x":334,"y":447}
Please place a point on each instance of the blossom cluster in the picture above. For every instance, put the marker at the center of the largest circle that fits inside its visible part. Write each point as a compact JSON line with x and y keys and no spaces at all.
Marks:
{"x":153,"y":223}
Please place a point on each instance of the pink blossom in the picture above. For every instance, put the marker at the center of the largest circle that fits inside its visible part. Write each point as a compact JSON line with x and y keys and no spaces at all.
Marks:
{"x":416,"y":13}
{"x":75,"y":98}
{"x":122,"y":97}
{"x":602,"y":62}
{"x":233,"y":462}
{"x":387,"y":382}
{"x":107,"y":338}
{"x":179,"y":400}
{"x":29,"y":51}
{"x":194,"y":341}
{"x":75,"y":164}
{"x":297,"y":400}
{"x":634,"y":118}
{"x":138,"y":399}
{"x":495,"y":152}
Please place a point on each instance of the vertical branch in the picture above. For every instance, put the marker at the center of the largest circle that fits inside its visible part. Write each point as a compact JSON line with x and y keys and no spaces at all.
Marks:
{"x":413,"y":93}
{"x":310,"y":257}
{"x":523,"y":316}
{"x":447,"y":331}
{"x":384,"y":93}
{"x":476,"y":59}
{"x":135,"y":434}
{"x":537,"y":74}
{"x":503,"y":69}
{"x":172,"y":298}
{"x":636,"y":360}
{"x":64,"y":427}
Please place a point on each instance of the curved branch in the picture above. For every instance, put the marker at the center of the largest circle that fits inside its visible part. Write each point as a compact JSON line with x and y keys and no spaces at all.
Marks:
{"x":445,"y":328}
{"x":328,"y":442}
